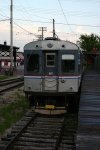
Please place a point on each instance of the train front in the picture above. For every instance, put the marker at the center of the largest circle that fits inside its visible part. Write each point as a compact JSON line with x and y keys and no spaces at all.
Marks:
{"x":51,"y":75}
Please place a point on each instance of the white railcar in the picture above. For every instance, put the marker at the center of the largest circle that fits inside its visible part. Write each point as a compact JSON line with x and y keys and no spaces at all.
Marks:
{"x":52,"y":74}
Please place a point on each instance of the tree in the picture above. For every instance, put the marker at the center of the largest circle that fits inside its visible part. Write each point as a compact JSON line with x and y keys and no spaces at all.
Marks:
{"x":89,"y":42}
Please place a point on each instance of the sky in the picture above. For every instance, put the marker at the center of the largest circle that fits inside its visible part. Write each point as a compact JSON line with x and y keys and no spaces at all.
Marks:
{"x":72,"y":19}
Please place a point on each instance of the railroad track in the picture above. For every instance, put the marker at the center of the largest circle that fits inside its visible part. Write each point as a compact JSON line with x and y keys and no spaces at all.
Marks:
{"x":41,"y":132}
{"x":9,"y":84}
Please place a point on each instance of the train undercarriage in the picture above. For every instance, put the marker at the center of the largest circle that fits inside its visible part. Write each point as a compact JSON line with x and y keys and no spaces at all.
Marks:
{"x":54,"y":104}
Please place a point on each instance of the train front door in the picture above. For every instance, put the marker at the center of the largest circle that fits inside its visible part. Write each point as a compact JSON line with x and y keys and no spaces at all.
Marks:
{"x":50,"y":71}
{"x":50,"y":64}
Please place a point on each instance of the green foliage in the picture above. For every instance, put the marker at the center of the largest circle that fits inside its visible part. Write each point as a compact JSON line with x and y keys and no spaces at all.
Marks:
{"x":10,"y":113}
{"x":88,"y":42}
{"x":2,"y":77}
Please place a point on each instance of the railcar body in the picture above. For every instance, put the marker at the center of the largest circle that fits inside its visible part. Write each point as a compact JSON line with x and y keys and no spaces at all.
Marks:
{"x":52,"y":73}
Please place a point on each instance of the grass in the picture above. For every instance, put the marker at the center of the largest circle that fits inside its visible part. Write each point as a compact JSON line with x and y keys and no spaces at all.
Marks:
{"x":10,"y":113}
{"x":2,"y":77}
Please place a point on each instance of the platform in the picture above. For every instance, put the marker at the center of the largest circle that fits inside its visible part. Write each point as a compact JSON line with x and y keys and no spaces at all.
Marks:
{"x":88,"y":133}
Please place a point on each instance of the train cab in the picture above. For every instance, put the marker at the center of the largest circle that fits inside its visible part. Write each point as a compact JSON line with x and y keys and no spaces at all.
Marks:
{"x":53,"y":70}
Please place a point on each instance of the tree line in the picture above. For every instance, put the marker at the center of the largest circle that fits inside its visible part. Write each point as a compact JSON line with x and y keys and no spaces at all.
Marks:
{"x":89,"y":42}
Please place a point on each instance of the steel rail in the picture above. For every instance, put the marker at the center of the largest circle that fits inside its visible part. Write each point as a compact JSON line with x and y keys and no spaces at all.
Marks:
{"x":60,"y":135}
{"x":8,"y":146}
{"x":10,"y":81}
{"x":21,"y":83}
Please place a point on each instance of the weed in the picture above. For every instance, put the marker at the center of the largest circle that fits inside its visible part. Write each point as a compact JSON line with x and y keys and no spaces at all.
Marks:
{"x":12,"y":112}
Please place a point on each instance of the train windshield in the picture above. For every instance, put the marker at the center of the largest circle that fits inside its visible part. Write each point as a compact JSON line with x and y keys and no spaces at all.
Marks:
{"x":68,"y":63}
{"x":33,"y":62}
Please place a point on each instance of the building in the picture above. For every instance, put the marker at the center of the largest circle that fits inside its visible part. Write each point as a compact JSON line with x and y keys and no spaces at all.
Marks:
{"x":5,"y":61}
{"x":19,"y":58}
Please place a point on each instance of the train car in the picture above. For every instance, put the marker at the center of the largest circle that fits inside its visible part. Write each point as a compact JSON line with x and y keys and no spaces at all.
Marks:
{"x":53,"y":71}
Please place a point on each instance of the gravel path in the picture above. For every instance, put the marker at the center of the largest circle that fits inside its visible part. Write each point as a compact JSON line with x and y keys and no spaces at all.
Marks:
{"x":11,"y":96}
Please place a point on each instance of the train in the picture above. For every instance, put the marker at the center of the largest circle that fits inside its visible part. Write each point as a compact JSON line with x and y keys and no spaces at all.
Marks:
{"x":53,"y":71}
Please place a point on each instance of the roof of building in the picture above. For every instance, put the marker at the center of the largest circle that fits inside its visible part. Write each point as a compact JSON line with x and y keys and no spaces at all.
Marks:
{"x":5,"y":47}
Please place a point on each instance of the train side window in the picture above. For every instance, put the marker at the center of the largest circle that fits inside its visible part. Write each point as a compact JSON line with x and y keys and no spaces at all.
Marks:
{"x":50,"y":60}
{"x":33,"y":62}
{"x":68,"y":63}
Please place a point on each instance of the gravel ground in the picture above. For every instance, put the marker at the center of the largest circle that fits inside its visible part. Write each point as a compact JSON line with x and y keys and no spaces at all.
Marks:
{"x":11,"y":96}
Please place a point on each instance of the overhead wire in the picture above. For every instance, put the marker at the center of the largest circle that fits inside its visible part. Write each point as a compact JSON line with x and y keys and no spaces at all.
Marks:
{"x":8,"y":19}
{"x":4,"y":20}
{"x":58,"y":12}
{"x":60,"y":23}
{"x":65,"y":16}
{"x":27,"y":14}
{"x":67,"y":23}
{"x":3,"y":15}
{"x":25,"y":29}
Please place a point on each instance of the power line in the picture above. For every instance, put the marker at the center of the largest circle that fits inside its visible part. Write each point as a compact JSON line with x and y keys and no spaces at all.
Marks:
{"x":85,"y":25}
{"x":4,"y":20}
{"x":64,"y":15}
{"x":7,"y":18}
{"x":60,"y":23}
{"x":80,"y":25}
{"x":24,"y":29}
{"x":58,"y":12}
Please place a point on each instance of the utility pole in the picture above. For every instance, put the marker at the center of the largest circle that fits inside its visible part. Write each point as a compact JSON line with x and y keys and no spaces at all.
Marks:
{"x":53,"y":28}
{"x":42,"y":29}
{"x":11,"y":36}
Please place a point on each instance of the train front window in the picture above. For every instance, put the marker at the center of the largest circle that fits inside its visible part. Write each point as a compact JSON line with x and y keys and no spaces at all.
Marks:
{"x":50,"y":60}
{"x":33,"y":62}
{"x":68,"y":63}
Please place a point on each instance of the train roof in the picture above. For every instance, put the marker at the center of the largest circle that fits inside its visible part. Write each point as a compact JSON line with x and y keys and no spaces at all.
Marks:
{"x":52,"y":44}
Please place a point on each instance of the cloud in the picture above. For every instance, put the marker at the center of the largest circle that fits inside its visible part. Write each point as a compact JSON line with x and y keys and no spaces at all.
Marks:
{"x":22,"y":37}
{"x":4,"y":32}
{"x":4,"y":27}
{"x":81,"y":30}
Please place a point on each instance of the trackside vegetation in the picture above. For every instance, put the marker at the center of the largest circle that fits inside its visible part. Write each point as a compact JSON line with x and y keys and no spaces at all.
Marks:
{"x":11,"y":113}
{"x":2,"y":77}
